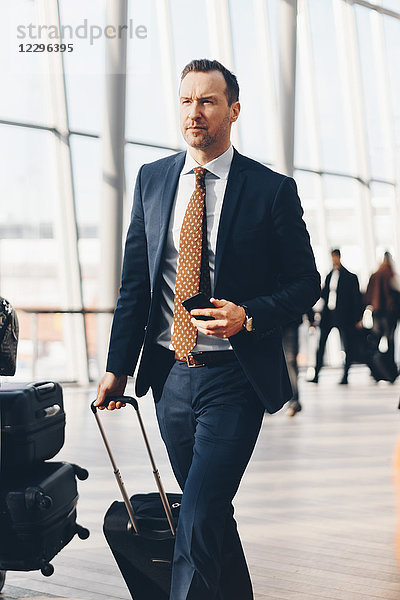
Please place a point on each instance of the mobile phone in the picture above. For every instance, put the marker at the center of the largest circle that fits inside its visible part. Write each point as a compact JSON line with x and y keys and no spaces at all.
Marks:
{"x":199,"y":300}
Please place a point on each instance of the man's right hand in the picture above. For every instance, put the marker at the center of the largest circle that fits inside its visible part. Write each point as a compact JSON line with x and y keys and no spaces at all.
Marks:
{"x":110,"y":385}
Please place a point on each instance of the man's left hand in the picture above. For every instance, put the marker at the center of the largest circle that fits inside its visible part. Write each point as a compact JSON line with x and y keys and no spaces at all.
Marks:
{"x":228,"y":318}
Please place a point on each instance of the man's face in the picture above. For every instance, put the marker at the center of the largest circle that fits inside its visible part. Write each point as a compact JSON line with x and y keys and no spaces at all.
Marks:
{"x":205,"y":116}
{"x":336,"y":261}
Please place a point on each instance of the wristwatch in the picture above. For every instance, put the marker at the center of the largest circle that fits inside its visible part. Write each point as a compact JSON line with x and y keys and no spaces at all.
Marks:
{"x":248,"y":321}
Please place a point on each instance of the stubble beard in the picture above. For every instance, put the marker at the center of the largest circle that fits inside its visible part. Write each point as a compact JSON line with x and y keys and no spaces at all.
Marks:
{"x":205,"y":140}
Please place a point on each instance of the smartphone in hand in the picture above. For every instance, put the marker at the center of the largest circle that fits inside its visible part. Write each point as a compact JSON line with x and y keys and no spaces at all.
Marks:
{"x":199,"y":300}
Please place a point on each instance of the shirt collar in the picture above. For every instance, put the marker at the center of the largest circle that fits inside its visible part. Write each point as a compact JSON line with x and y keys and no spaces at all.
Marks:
{"x":218,"y":166}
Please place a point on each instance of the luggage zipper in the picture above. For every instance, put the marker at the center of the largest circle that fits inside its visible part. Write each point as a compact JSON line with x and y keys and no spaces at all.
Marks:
{"x":36,"y":427}
{"x":161,"y":560}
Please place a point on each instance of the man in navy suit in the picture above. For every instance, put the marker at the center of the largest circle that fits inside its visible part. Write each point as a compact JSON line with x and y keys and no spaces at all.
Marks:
{"x":262,"y":275}
{"x":342,"y":309}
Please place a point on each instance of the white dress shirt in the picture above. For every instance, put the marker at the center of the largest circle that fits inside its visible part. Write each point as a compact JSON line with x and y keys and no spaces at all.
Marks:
{"x":332,"y":297}
{"x":215,"y":180}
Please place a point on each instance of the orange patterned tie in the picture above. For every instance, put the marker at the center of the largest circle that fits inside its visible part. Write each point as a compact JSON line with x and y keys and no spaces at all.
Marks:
{"x":189,"y":262}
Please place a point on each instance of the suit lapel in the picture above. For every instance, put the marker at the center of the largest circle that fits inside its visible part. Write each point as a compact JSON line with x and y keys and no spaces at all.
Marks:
{"x":169,"y":183}
{"x":236,"y":180}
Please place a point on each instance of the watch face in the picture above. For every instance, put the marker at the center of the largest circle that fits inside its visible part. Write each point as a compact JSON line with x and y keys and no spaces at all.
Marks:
{"x":249,"y":323}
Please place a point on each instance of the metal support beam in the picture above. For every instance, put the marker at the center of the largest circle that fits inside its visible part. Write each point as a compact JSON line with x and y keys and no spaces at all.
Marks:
{"x":287,"y":80}
{"x":220,"y":35}
{"x":349,"y":64}
{"x":388,"y":119}
{"x":380,"y":9}
{"x":266,"y":83}
{"x":168,"y":70}
{"x":310,"y":101}
{"x":113,"y":185}
{"x":71,"y":295}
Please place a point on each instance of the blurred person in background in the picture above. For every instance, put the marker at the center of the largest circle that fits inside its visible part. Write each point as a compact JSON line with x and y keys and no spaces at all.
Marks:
{"x":342,"y":309}
{"x":290,"y":340}
{"x":383,"y":297}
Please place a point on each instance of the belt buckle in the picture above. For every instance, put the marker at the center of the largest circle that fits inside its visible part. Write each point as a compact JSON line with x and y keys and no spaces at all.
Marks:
{"x":190,"y":364}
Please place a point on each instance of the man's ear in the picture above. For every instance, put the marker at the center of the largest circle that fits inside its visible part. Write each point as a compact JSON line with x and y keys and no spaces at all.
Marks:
{"x":235,"y":110}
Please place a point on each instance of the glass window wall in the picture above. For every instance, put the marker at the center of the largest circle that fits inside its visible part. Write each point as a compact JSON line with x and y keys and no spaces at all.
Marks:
{"x":339,"y":203}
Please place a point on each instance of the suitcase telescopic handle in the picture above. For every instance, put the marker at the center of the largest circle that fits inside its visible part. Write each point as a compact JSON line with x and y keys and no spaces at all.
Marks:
{"x":164,"y":500}
{"x":124,"y":399}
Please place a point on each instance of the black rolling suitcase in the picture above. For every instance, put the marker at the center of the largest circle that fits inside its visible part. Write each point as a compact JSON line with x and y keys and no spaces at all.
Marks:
{"x":38,"y":515}
{"x":141,"y":530}
{"x":32,"y":423}
{"x":366,"y":351}
{"x":383,"y":367}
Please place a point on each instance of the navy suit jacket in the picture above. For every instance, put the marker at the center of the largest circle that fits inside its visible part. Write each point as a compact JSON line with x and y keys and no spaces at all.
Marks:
{"x":349,"y":306}
{"x":263,"y":260}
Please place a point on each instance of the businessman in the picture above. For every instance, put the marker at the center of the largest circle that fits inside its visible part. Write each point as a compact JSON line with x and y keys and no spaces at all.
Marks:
{"x":342,"y":309}
{"x":210,"y":220}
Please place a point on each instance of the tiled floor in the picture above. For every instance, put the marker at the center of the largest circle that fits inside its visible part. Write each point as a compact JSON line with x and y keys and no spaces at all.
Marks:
{"x":316,"y":509}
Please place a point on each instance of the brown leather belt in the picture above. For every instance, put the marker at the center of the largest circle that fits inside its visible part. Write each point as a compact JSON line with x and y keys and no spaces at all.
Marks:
{"x":203,"y":359}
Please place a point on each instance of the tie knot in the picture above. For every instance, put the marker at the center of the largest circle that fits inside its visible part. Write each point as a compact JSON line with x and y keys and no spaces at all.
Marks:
{"x":200,"y":174}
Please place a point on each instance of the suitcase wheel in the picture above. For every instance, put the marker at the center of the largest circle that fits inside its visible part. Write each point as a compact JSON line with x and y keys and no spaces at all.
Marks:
{"x":81,"y":474}
{"x":35,"y":498}
{"x":82,"y":532}
{"x":46,"y":568}
{"x":2,"y":579}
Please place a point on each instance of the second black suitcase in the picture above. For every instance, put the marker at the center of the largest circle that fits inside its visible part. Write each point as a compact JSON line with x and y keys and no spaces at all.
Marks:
{"x":38,"y":515}
{"x":32,"y":423}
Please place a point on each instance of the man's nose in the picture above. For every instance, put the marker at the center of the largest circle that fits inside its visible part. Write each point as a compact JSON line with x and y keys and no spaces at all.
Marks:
{"x":194,"y":112}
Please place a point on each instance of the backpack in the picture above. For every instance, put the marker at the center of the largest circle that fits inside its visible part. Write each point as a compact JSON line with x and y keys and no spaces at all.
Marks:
{"x":8,"y":338}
